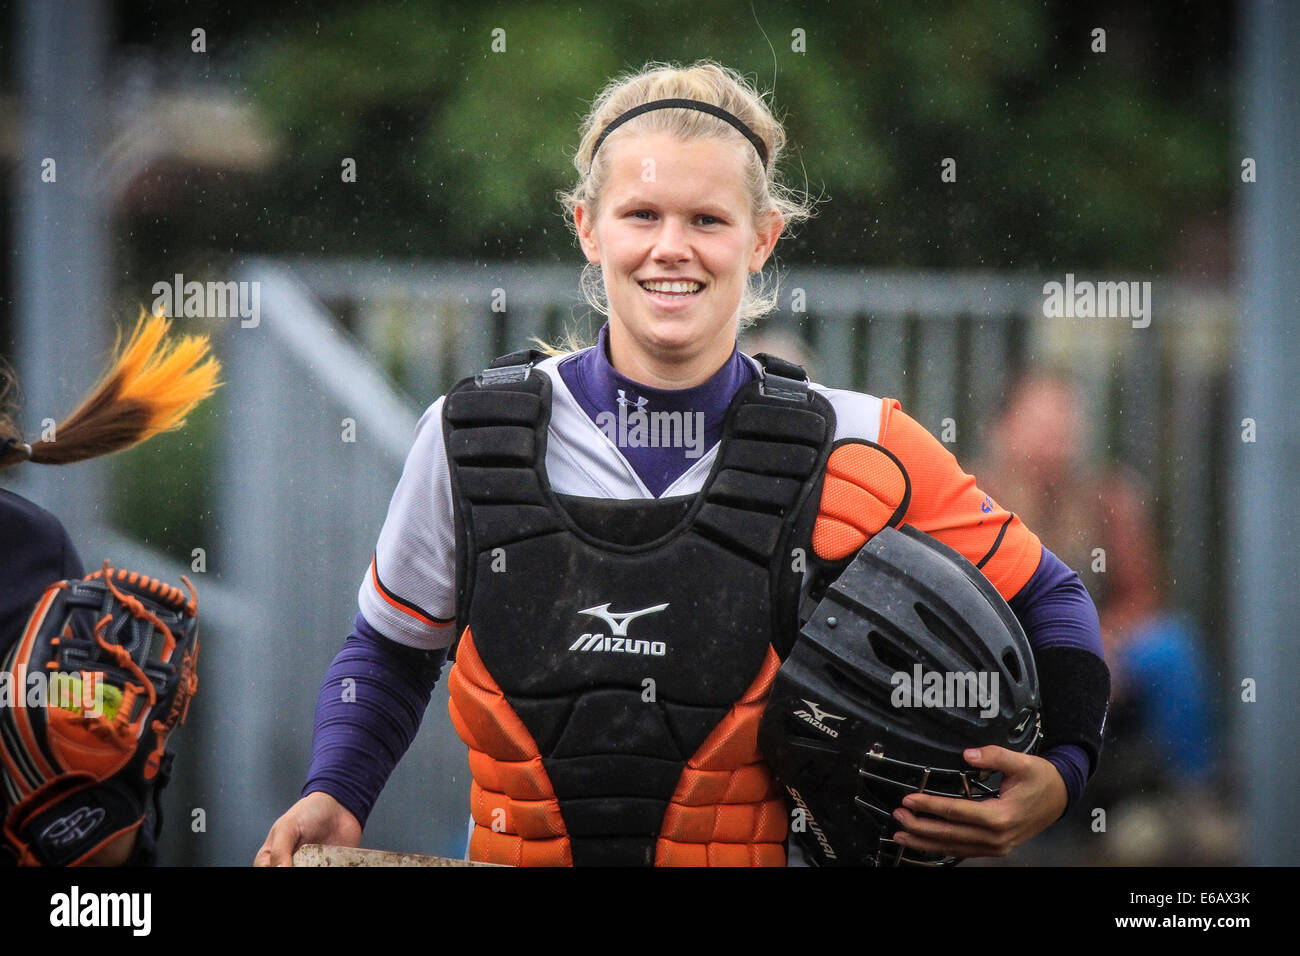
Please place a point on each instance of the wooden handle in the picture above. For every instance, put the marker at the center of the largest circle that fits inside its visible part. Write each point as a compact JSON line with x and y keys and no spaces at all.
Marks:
{"x":317,"y":854}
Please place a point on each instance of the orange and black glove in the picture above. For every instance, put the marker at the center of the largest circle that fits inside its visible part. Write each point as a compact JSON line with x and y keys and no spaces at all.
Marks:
{"x":103,"y":672}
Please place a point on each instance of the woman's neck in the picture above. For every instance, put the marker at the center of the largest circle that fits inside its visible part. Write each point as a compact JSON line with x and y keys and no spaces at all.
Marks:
{"x":668,"y":372}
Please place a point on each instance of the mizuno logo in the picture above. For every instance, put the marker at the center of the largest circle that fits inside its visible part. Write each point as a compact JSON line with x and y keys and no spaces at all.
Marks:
{"x":617,"y":640}
{"x":819,"y":714}
{"x":603,"y":642}
{"x":618,"y":622}
{"x":816,"y":716}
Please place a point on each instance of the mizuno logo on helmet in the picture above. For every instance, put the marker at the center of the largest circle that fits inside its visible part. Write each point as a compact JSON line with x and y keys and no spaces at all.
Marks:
{"x":618,"y":622}
{"x":816,"y":716}
{"x":819,"y":714}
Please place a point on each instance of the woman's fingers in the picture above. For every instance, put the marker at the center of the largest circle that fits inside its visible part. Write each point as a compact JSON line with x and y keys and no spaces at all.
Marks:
{"x":946,"y":833}
{"x":278,"y":848}
{"x":985,"y":813}
{"x":316,"y":818}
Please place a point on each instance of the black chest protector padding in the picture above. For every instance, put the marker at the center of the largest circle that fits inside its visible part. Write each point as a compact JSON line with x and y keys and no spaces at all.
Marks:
{"x":617,"y":705}
{"x":629,"y":522}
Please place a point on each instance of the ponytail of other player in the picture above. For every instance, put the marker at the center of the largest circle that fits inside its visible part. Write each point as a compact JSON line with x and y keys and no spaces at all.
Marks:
{"x":152,"y":384}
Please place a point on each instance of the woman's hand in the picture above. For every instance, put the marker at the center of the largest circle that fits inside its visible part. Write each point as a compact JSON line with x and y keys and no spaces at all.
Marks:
{"x":316,"y":818}
{"x":1032,"y":797}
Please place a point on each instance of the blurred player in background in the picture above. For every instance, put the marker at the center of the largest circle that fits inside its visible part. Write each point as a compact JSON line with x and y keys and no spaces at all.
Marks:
{"x":1157,"y":780}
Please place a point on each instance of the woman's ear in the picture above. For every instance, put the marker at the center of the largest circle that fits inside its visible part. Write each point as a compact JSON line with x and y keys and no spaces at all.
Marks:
{"x":586,"y":234}
{"x":765,"y":240}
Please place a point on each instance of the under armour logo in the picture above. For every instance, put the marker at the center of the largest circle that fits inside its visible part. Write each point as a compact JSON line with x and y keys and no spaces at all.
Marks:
{"x":618,"y":622}
{"x":820,"y":715}
{"x":639,"y":404}
{"x":73,"y":827}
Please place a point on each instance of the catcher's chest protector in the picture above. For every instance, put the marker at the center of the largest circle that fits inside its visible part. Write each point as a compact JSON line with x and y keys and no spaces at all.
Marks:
{"x":615,"y":656}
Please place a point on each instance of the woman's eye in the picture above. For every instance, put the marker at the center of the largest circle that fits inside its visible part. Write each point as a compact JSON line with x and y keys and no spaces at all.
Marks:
{"x":702,"y":217}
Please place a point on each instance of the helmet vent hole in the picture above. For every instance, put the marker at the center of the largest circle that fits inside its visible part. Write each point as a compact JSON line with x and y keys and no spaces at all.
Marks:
{"x":888,"y":653}
{"x":937,"y":625}
{"x":1012,"y":664}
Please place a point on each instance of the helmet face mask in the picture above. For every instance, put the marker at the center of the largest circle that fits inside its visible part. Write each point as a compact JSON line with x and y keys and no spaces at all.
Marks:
{"x":884,"y":782}
{"x":910,"y":658}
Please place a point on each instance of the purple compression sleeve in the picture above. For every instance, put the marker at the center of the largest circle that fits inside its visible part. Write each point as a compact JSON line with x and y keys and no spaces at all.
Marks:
{"x":360,"y":735}
{"x":1055,"y":610}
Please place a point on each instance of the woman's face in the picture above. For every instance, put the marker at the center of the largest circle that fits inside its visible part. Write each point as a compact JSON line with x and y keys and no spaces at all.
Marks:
{"x":674,"y":211}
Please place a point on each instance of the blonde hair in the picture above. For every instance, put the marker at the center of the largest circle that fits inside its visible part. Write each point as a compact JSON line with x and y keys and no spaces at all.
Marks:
{"x":712,"y":83}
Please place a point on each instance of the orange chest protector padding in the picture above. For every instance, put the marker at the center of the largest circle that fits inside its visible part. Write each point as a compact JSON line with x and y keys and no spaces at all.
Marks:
{"x":615,"y":656}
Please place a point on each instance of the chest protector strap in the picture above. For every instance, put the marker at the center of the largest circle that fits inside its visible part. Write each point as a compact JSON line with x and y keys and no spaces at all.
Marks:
{"x":615,"y":656}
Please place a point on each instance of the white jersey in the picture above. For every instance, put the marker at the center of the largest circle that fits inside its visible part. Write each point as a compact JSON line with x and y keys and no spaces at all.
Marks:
{"x":409,"y":590}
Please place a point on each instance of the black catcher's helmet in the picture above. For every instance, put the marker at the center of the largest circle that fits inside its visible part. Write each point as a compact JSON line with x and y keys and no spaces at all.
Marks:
{"x":850,"y":730}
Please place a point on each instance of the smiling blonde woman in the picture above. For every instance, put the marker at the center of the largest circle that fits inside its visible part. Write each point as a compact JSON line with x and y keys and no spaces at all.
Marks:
{"x":618,"y":601}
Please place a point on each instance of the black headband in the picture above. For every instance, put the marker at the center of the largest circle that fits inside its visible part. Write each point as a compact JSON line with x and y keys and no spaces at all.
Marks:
{"x":703,"y":107}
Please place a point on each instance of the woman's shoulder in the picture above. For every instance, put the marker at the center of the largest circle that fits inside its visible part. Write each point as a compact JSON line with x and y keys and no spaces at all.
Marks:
{"x":550,"y":365}
{"x":859,"y":415}
{"x":35,"y":551}
{"x":26,"y":525}
{"x":427,"y":445}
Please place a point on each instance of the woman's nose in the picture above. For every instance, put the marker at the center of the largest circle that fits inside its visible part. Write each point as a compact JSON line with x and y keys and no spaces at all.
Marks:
{"x":670,"y":241}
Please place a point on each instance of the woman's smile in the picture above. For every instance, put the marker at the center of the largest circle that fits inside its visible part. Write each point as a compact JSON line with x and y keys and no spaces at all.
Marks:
{"x":672,"y":296}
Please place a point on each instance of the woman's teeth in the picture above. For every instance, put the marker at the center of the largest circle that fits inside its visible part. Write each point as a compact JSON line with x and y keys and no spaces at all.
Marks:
{"x":672,"y":288}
